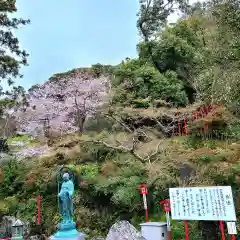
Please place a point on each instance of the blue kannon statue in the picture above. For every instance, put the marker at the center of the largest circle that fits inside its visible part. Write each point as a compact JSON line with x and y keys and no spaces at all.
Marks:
{"x":65,"y":199}
{"x":67,"y":227}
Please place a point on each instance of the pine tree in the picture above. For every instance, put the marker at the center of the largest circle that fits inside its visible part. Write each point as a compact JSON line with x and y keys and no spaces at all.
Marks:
{"x":11,"y":56}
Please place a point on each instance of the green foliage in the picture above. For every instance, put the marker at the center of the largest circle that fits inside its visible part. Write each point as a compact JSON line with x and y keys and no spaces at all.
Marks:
{"x":213,"y":158}
{"x":126,"y":193}
{"x":212,"y":144}
{"x":99,"y":69}
{"x":89,"y":171}
{"x":202,"y":48}
{"x":98,"y":124}
{"x":13,"y":178}
{"x":179,"y":231}
{"x":23,"y":138}
{"x":141,"y":103}
{"x":6,"y":103}
{"x":142,"y":82}
{"x":233,"y":130}
{"x":193,"y":142}
{"x":236,"y":168}
{"x":152,"y":16}
{"x":10,"y":65}
{"x":196,"y":58}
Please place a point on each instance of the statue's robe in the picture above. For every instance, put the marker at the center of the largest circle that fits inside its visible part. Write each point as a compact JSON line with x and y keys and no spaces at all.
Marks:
{"x":66,"y":203}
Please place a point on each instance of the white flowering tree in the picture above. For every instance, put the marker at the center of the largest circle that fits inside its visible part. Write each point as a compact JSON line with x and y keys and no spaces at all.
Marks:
{"x":64,"y":104}
{"x":85,"y":101}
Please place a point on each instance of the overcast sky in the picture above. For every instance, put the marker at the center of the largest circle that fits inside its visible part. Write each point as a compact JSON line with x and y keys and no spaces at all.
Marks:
{"x":64,"y":35}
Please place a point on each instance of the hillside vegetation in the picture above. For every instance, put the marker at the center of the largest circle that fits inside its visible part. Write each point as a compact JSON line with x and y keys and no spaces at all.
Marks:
{"x":132,"y":137}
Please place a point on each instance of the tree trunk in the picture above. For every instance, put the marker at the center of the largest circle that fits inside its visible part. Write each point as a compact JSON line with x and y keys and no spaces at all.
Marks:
{"x":81,"y":121}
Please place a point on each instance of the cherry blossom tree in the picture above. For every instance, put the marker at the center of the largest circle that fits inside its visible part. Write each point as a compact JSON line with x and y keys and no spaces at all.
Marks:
{"x":65,"y":103}
{"x":85,"y":102}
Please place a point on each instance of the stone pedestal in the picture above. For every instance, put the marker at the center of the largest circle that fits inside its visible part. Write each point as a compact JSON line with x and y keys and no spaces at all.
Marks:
{"x":68,"y":235}
{"x":67,"y":231}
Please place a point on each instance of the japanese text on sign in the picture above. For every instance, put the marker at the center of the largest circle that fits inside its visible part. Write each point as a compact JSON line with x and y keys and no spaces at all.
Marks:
{"x":231,"y":226}
{"x":202,"y":203}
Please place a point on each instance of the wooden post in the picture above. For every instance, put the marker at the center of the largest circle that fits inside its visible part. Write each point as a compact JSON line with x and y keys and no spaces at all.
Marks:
{"x":186,"y":230}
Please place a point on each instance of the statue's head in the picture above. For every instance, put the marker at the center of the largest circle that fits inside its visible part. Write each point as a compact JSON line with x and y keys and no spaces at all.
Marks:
{"x":65,"y":176}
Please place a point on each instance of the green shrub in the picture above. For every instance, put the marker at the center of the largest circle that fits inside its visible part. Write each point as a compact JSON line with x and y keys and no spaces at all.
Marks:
{"x":98,"y":124}
{"x":212,"y":144}
{"x":14,"y":173}
{"x":236,"y":168}
{"x":23,"y":138}
{"x":141,"y":103}
{"x":213,"y":158}
{"x":89,"y":170}
{"x":206,"y":159}
{"x":97,"y":69}
{"x":233,"y":131}
{"x":193,"y":142}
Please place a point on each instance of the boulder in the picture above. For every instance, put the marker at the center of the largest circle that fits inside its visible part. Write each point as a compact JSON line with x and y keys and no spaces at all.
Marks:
{"x":124,"y":230}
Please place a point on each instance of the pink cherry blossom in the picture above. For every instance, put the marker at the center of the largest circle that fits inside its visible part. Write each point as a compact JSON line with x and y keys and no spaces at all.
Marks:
{"x":64,"y":103}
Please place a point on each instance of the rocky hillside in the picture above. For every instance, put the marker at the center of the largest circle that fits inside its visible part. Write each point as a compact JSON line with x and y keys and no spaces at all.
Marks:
{"x":61,"y":101}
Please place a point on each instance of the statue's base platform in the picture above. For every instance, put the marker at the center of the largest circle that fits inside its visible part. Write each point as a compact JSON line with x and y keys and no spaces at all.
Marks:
{"x":68,"y":235}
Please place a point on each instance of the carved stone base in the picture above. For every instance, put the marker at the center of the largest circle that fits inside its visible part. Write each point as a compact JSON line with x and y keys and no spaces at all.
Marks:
{"x":68,"y":235}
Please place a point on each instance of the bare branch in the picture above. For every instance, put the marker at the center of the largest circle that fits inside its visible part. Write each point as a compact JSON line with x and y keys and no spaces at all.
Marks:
{"x":108,"y":115}
{"x":125,"y":149}
{"x":120,"y":148}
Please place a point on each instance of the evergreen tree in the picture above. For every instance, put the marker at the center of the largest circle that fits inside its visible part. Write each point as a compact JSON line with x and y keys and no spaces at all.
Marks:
{"x":11,"y":56}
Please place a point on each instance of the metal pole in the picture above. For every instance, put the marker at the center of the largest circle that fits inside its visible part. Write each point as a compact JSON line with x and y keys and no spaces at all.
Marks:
{"x":222,"y":230}
{"x":145,"y":206}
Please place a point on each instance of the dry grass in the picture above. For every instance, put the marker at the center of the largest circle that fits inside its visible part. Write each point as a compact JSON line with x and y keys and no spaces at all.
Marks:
{"x":156,"y":112}
{"x":109,"y":169}
{"x":172,"y":154}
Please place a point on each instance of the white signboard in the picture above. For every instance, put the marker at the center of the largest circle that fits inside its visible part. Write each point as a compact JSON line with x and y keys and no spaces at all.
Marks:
{"x":202,"y":203}
{"x":231,"y":226}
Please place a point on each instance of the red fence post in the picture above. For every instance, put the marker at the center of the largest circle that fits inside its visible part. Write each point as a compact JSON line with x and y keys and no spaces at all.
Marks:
{"x":143,"y":191}
{"x":166,"y":208}
{"x":39,"y":210}
{"x":185,"y":128}
{"x":179,"y":128}
{"x":222,"y":230}
{"x":186,"y":230}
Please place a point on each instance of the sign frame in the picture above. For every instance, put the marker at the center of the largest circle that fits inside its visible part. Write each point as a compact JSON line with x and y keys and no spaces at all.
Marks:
{"x":200,"y":196}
